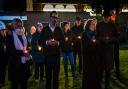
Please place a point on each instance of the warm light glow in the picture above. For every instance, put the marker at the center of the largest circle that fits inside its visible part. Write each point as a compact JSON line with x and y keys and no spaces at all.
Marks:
{"x":25,"y":51}
{"x":39,"y":48}
{"x":59,"y":8}
{"x":70,"y":8}
{"x":124,"y":10}
{"x":88,"y":8}
{"x":48,"y":7}
{"x":66,"y":38}
{"x":79,"y":37}
{"x":32,"y":30}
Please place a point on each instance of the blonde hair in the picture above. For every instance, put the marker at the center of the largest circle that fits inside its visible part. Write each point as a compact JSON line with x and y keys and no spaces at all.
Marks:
{"x":17,"y":23}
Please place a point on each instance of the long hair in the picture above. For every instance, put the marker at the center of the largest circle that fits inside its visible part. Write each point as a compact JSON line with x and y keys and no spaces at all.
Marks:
{"x":17,"y":23}
{"x":88,"y":25}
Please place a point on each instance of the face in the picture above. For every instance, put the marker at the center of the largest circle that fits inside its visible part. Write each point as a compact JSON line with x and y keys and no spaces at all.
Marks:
{"x":92,"y":26}
{"x":32,"y":30}
{"x":39,"y":28}
{"x":66,"y":27}
{"x":85,"y":22}
{"x":106,"y":19}
{"x":19,"y":30}
{"x":53,"y":18}
{"x":78,"y":22}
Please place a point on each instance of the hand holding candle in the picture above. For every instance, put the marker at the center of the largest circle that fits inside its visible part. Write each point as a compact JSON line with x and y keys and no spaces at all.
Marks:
{"x":66,"y":38}
{"x":93,"y":39}
{"x":79,"y":37}
{"x":52,"y":42}
{"x":26,"y":53}
{"x":39,"y":48}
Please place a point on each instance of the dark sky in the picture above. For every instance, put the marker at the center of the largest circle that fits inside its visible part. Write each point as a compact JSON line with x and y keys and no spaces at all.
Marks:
{"x":21,"y":4}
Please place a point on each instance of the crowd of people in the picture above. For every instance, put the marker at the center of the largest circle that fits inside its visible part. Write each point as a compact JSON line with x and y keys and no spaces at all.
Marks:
{"x":96,"y":44}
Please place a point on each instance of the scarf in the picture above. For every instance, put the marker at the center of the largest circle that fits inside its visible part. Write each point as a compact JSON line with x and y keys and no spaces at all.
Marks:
{"x":90,"y":34}
{"x":19,"y":46}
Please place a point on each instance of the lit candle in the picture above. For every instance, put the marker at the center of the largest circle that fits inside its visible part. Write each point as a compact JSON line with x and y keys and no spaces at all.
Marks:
{"x":4,"y":47}
{"x":39,"y":48}
{"x":107,"y":37}
{"x":93,"y":40}
{"x":25,"y":51}
{"x":66,"y":38}
{"x":79,"y":37}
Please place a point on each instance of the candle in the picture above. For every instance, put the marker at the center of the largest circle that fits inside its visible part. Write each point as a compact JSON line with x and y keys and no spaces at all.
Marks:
{"x":66,"y":38}
{"x":107,"y":37}
{"x":25,"y":51}
{"x":79,"y":37}
{"x":93,"y":40}
{"x":4,"y":47}
{"x":39,"y":48}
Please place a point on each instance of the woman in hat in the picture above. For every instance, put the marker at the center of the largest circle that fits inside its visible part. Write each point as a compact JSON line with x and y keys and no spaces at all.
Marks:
{"x":38,"y":57}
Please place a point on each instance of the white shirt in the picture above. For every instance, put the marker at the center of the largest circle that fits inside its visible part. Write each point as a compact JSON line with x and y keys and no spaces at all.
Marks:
{"x":52,"y":28}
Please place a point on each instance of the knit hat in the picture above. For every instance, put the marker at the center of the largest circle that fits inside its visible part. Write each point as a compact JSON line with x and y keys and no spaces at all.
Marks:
{"x":78,"y":18}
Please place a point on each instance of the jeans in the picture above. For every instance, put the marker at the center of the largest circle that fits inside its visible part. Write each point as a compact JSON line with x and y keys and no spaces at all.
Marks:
{"x":39,"y":70}
{"x":70,"y":56}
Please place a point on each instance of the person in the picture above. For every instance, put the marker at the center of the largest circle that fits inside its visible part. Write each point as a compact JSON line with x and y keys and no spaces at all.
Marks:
{"x":84,"y":24}
{"x":116,"y":47}
{"x":18,"y":63}
{"x":38,"y":57}
{"x":29,"y":36}
{"x":106,"y":34}
{"x":52,"y":37}
{"x":3,"y":54}
{"x":77,"y":48}
{"x":67,"y":50}
{"x":95,"y":22}
{"x":91,"y":68}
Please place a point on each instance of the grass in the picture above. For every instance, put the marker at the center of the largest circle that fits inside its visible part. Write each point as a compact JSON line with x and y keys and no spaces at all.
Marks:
{"x":76,"y":84}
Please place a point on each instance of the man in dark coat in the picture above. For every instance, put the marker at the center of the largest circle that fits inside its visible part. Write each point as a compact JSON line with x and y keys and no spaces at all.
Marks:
{"x":106,"y":34}
{"x":52,"y":37}
{"x":77,"y":32}
{"x":116,"y":47}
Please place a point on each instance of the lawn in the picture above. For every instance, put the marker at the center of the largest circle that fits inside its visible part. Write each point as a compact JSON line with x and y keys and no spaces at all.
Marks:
{"x":76,"y":84}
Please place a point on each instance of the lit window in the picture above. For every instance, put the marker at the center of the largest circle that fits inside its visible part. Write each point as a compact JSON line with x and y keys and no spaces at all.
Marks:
{"x":48,"y":7}
{"x":70,"y":8}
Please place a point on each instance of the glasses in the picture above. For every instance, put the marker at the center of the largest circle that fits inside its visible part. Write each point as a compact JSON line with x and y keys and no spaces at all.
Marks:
{"x":55,"y":17}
